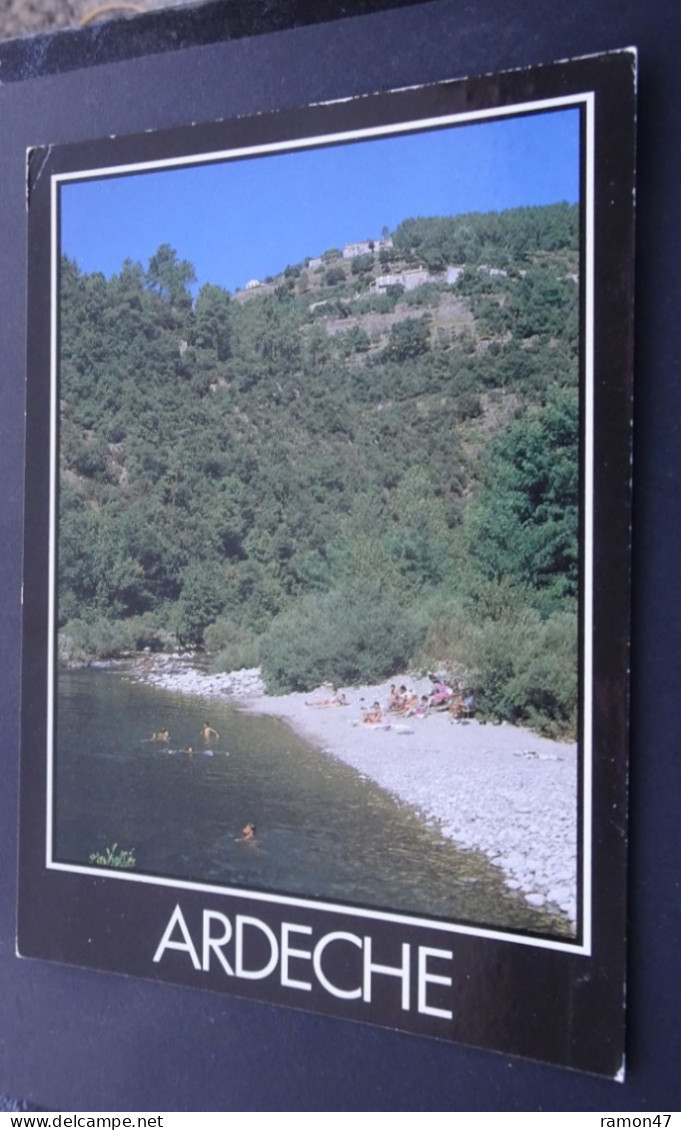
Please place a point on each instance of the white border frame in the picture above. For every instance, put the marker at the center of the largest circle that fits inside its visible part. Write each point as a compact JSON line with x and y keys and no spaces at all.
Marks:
{"x":585,"y":101}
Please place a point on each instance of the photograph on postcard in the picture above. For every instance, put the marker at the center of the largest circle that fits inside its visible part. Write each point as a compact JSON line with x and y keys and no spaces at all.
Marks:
{"x":318,"y":491}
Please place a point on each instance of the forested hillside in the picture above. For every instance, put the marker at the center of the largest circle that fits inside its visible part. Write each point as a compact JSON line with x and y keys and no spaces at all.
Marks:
{"x":362,"y":465}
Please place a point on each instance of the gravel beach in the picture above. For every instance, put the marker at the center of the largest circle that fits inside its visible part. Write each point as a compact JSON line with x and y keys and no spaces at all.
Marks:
{"x":498,"y":789}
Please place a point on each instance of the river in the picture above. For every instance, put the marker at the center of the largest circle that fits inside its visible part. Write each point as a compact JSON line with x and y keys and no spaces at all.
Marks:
{"x":323,"y":830}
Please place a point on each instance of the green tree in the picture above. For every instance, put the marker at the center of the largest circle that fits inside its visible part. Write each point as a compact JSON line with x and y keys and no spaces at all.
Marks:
{"x":201,"y":602}
{"x":334,"y":275}
{"x":525,"y":524}
{"x":362,"y":265}
{"x":171,"y":277}
{"x":409,"y":338}
{"x":212,"y":329}
{"x":357,"y":633}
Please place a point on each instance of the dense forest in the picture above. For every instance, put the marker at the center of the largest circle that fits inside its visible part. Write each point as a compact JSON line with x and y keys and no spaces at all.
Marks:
{"x":360,"y":466}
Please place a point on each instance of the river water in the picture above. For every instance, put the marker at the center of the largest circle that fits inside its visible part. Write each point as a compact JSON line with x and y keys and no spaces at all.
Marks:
{"x":322,"y":829}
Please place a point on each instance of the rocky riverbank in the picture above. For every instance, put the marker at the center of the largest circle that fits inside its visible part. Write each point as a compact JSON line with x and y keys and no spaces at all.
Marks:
{"x":501,"y":790}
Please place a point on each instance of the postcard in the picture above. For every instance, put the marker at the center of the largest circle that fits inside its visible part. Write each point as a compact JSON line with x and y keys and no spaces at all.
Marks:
{"x":326,"y":571}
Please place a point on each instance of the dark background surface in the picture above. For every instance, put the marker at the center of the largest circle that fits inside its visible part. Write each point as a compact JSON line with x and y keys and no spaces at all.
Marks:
{"x":75,"y":1040}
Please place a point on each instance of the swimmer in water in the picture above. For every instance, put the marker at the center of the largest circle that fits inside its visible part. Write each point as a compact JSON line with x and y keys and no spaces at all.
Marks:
{"x":247,"y":834}
{"x":160,"y":736}
{"x":207,"y":732}
{"x":189,"y":750}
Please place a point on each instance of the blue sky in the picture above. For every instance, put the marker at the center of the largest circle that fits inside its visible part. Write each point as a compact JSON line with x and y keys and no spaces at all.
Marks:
{"x":245,"y":219}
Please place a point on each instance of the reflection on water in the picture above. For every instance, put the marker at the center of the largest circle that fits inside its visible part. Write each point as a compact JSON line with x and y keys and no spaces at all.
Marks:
{"x":322,"y":830}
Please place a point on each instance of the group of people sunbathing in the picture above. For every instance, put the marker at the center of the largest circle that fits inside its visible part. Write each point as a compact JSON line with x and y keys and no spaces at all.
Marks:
{"x":404,"y":703}
{"x":409,"y":704}
{"x":458,"y":702}
{"x":401,"y":702}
